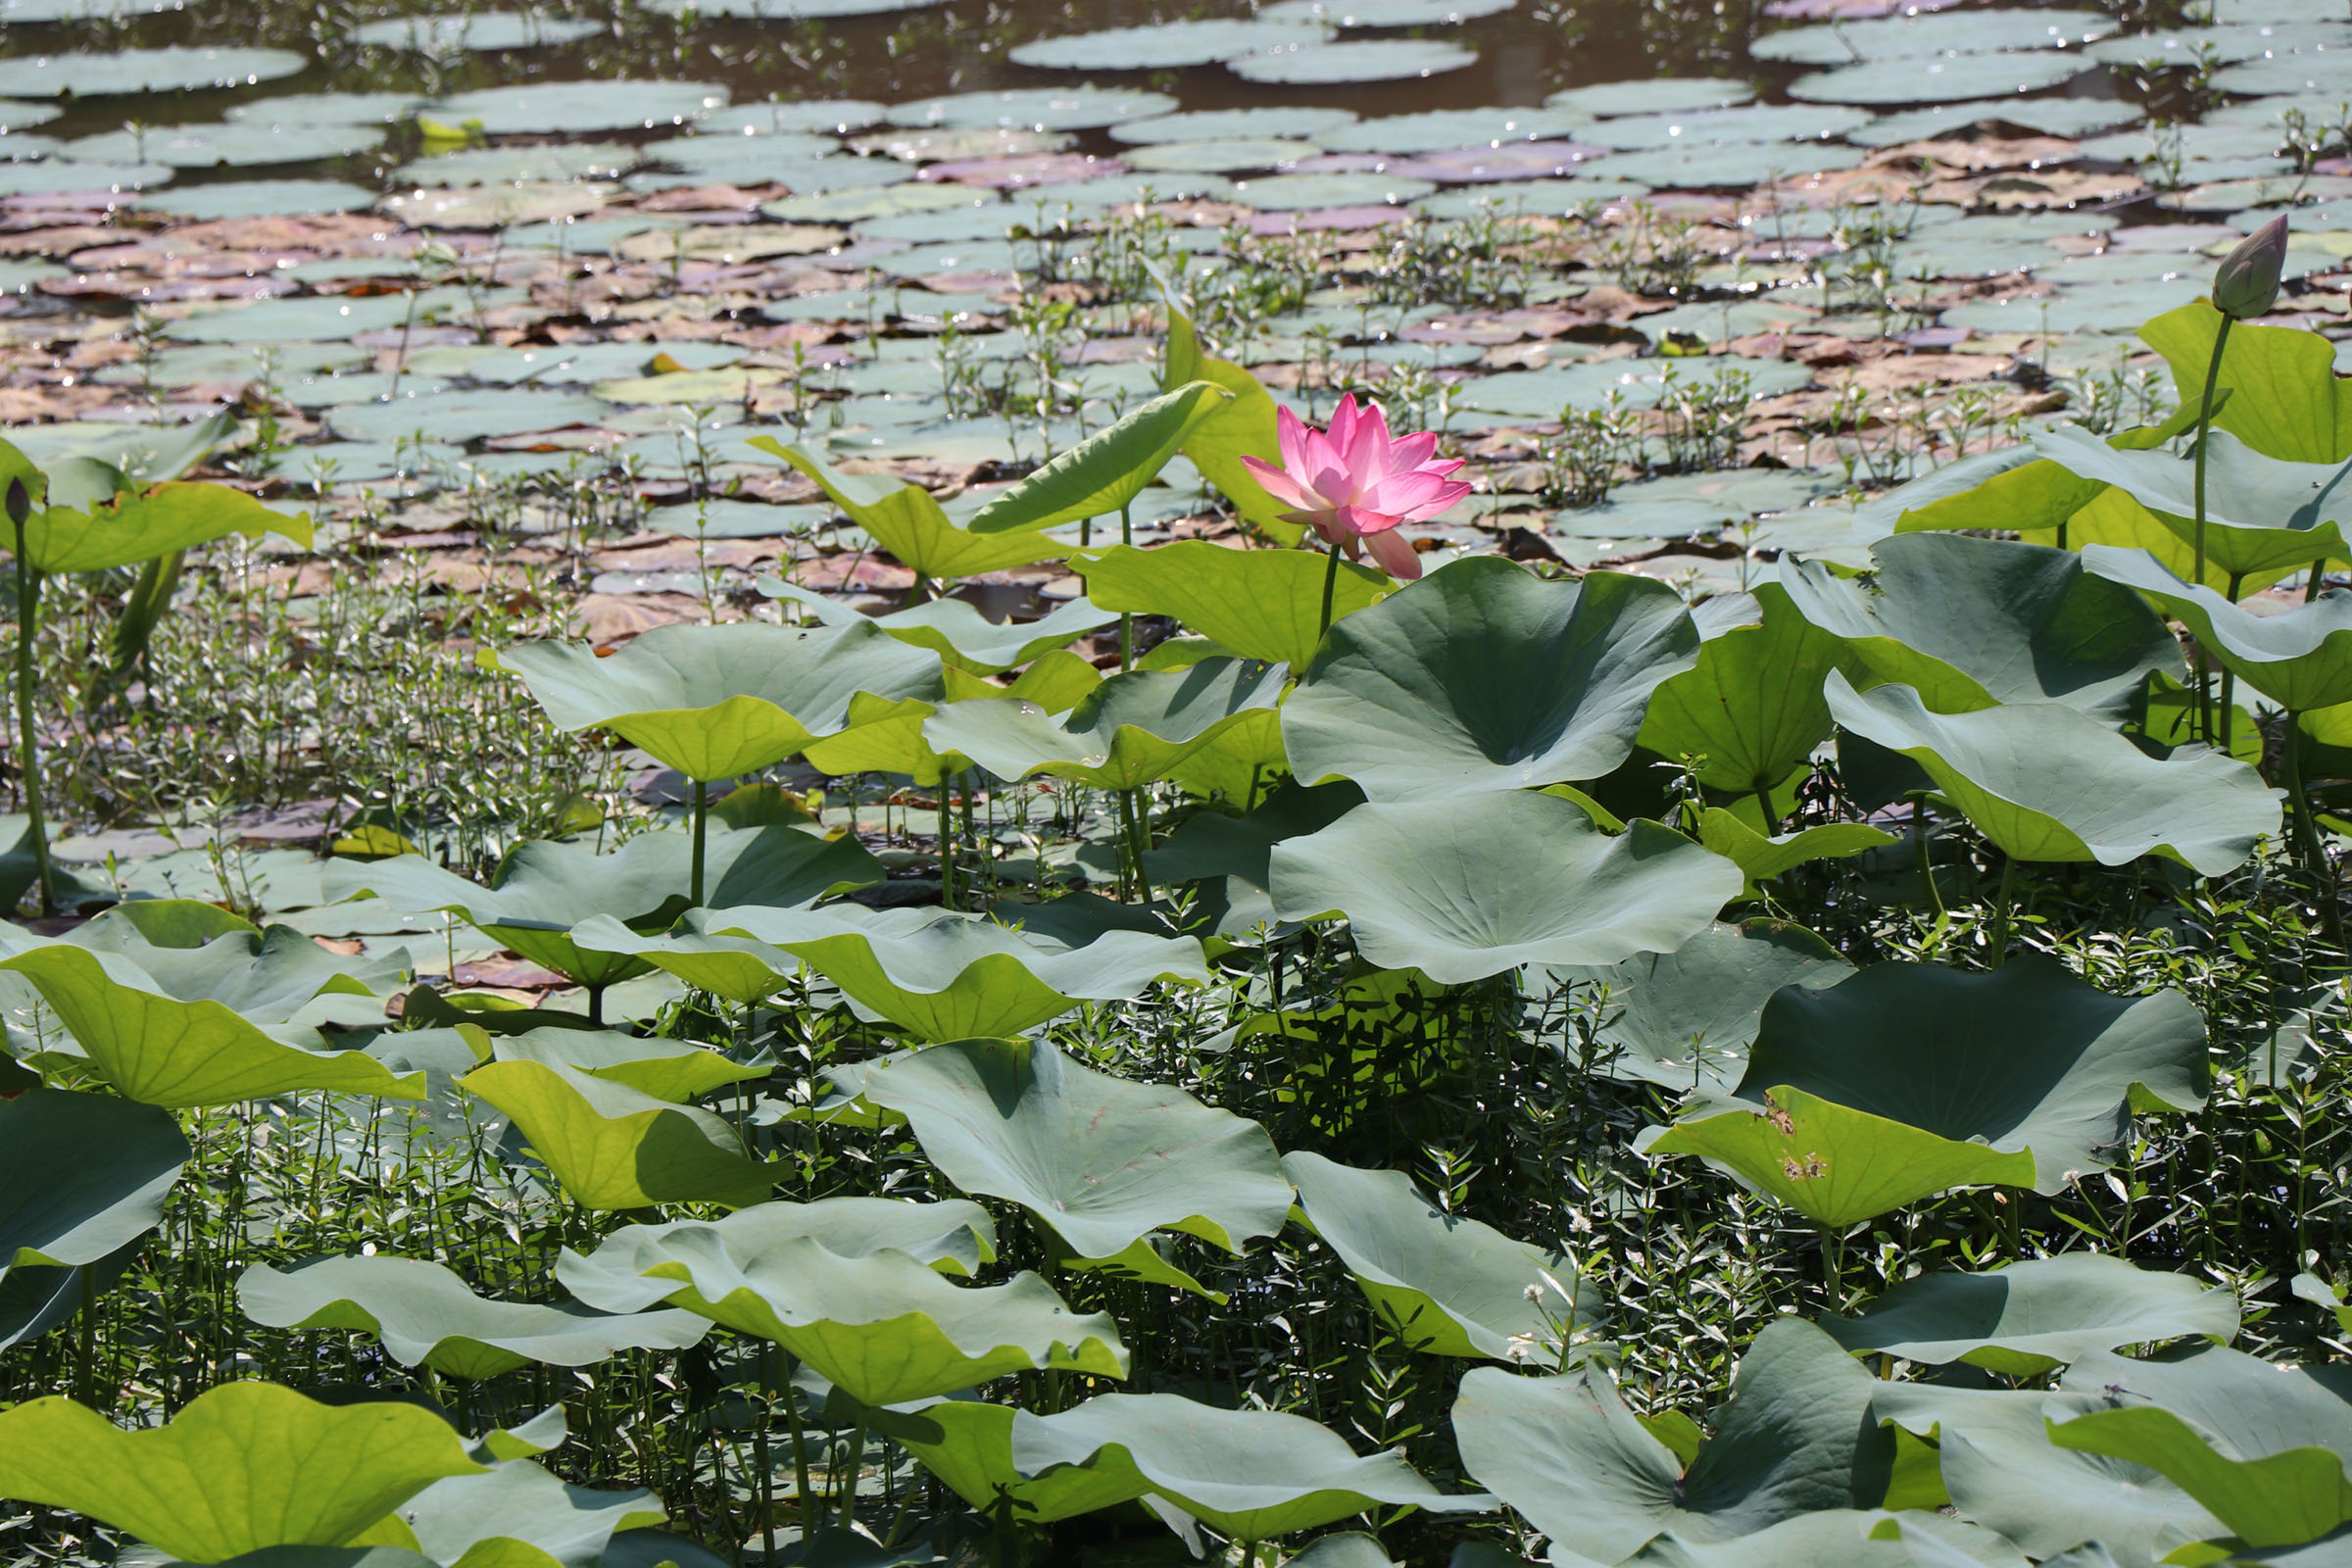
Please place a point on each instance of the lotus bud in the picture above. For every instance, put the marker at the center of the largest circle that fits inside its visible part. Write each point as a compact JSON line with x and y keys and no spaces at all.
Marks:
{"x":2246,"y":284}
{"x":20,"y":502}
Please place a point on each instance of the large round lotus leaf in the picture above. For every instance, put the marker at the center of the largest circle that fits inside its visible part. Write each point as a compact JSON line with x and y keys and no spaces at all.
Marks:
{"x":1166,"y":45}
{"x":58,"y":175}
{"x":1130,"y":731}
{"x":569,"y":364}
{"x":909,"y":199}
{"x":37,"y":1298}
{"x":2023,"y":1057}
{"x":1218,"y":156}
{"x":1251,"y":1474}
{"x":1796,"y":1438}
{"x":945,"y":976}
{"x":778,"y":116}
{"x":954,"y":1237}
{"x":1285,"y":193}
{"x":1650,"y":95}
{"x":1927,"y":80}
{"x":675,"y":1070}
{"x":16,"y":117}
{"x":1760,"y":122}
{"x":612,"y":1148}
{"x":1101,"y":1161}
{"x":1225,"y":125}
{"x":296,"y":110}
{"x":1368,"y":60}
{"x":174,"y":1054}
{"x":1636,"y":383}
{"x":502,"y":165}
{"x":2223,"y":45}
{"x":464,"y":416}
{"x":1852,"y":1537}
{"x":1685,"y":1019}
{"x":2045,"y":782}
{"x":2030,"y":1317}
{"x":81,"y":1176}
{"x":135,"y":526}
{"x":494,"y":206}
{"x":2300,"y":660}
{"x":956,"y":629}
{"x":2285,"y":399}
{"x":1971,"y":622}
{"x":881,"y":1326}
{"x":968,"y":1446}
{"x":1438,"y":129}
{"x":1751,"y":707}
{"x":132,"y":71}
{"x":2279,"y":1499}
{"x":1763,"y":856}
{"x":1738,"y":164}
{"x":1209,"y":846}
{"x":258,"y":198}
{"x":1039,"y":109}
{"x":244,"y":1467}
{"x":908,"y":522}
{"x":1447,"y":892}
{"x":717,"y":700}
{"x":1260,"y":604}
{"x":946,"y":143}
{"x":1441,"y":1282}
{"x":541,"y":889}
{"x":541,"y":108}
{"x":481,"y":30}
{"x":519,"y":1512}
{"x":2052,"y":117}
{"x":1106,"y":471}
{"x":267,"y":977}
{"x":2248,"y":1407}
{"x":1835,"y":1165}
{"x":1484,"y":676}
{"x":1973,"y":32}
{"x":424,"y":1316}
{"x":204,"y":146}
{"x":2259,"y":511}
{"x":329,"y":318}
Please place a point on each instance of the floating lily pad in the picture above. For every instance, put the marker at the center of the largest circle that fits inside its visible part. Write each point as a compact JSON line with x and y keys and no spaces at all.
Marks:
{"x":1041,"y":109}
{"x":1759,"y":123}
{"x":259,"y":198}
{"x":494,"y":206}
{"x":1927,"y":80}
{"x":1387,"y":13}
{"x":205,"y":146}
{"x":139,"y":71}
{"x":294,"y":110}
{"x":540,"y":107}
{"x":459,"y":417}
{"x":512,"y":165}
{"x":1648,"y":95}
{"x":483,"y":31}
{"x":59,"y":175}
{"x":790,"y":10}
{"x":1973,"y":30}
{"x":2052,"y":117}
{"x":1370,"y":60}
{"x":1737,"y":164}
{"x":1218,"y":156}
{"x":1167,"y":45}
{"x":779,"y":117}
{"x":1224,"y":125}
{"x":1637,"y":384}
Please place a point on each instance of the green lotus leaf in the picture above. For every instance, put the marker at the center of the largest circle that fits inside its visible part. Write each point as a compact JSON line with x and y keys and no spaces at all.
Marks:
{"x":955,"y":630}
{"x":139,"y":526}
{"x":1751,"y":707}
{"x":1445,"y":890}
{"x":1971,"y":622}
{"x":1210,"y":844}
{"x":35,"y":1297}
{"x":2045,"y":782}
{"x":267,"y":977}
{"x":2301,"y":659}
{"x":180,"y":1055}
{"x":1259,"y":604}
{"x":424,"y":1316}
{"x":2024,"y":1057}
{"x":940,"y":974}
{"x":542,"y":889}
{"x":1483,"y":677}
{"x":883,"y":1327}
{"x":1244,"y":427}
{"x":1101,"y":1162}
{"x":613,"y":1148}
{"x":906,"y":521}
{"x":894,"y":742}
{"x":245,"y":1466}
{"x":1250,"y":1474}
{"x":1845,"y":1537}
{"x":739,"y":968}
{"x":81,"y":1176}
{"x":517,"y":1516}
{"x":2247,"y":1406}
{"x":1350,"y":1548}
{"x":2284,"y":400}
{"x":2030,"y":1317}
{"x":675,"y":1070}
{"x":1761,"y":858}
{"x":968,"y":1445}
{"x":1132,"y":730}
{"x":1443,"y":1283}
{"x":953,"y":1235}
{"x":329,"y":1557}
{"x":1794,"y":1437}
{"x":2008,"y":488}
{"x":2278,"y":1499}
{"x":2263,"y":515}
{"x":1685,"y":1019}
{"x":1107,"y":470}
{"x":2115,"y":519}
{"x":717,"y":700}
{"x":1835,"y":1165}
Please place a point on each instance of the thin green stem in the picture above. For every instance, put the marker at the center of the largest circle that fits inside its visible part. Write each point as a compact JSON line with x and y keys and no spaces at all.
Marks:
{"x":1764,"y":811}
{"x":702,"y":819}
{"x":2000,"y":913}
{"x":1919,"y":845}
{"x":28,"y":759}
{"x":1126,"y":619}
{"x":1331,"y":585}
{"x":849,"y":1475}
{"x":2311,"y":589}
{"x":2213,"y":372}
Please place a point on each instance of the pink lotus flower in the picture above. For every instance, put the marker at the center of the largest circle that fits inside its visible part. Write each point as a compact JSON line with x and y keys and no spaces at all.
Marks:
{"x":1354,"y":484}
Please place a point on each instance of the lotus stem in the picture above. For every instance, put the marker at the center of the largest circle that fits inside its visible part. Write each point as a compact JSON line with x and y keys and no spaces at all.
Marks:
{"x":87,"y":1333}
{"x":2311,"y":589}
{"x":2000,"y":913}
{"x":29,"y":759}
{"x":800,"y":1461}
{"x":1764,"y":810}
{"x":2213,"y":372}
{"x":702,"y":817}
{"x":1126,"y":617}
{"x":1331,"y":583}
{"x":943,"y":803}
{"x":1919,"y":845}
{"x":849,"y":1478}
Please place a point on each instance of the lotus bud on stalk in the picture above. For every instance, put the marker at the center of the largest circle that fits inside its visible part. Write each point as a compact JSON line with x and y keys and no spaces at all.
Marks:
{"x":1354,"y":483}
{"x":2246,"y":283}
